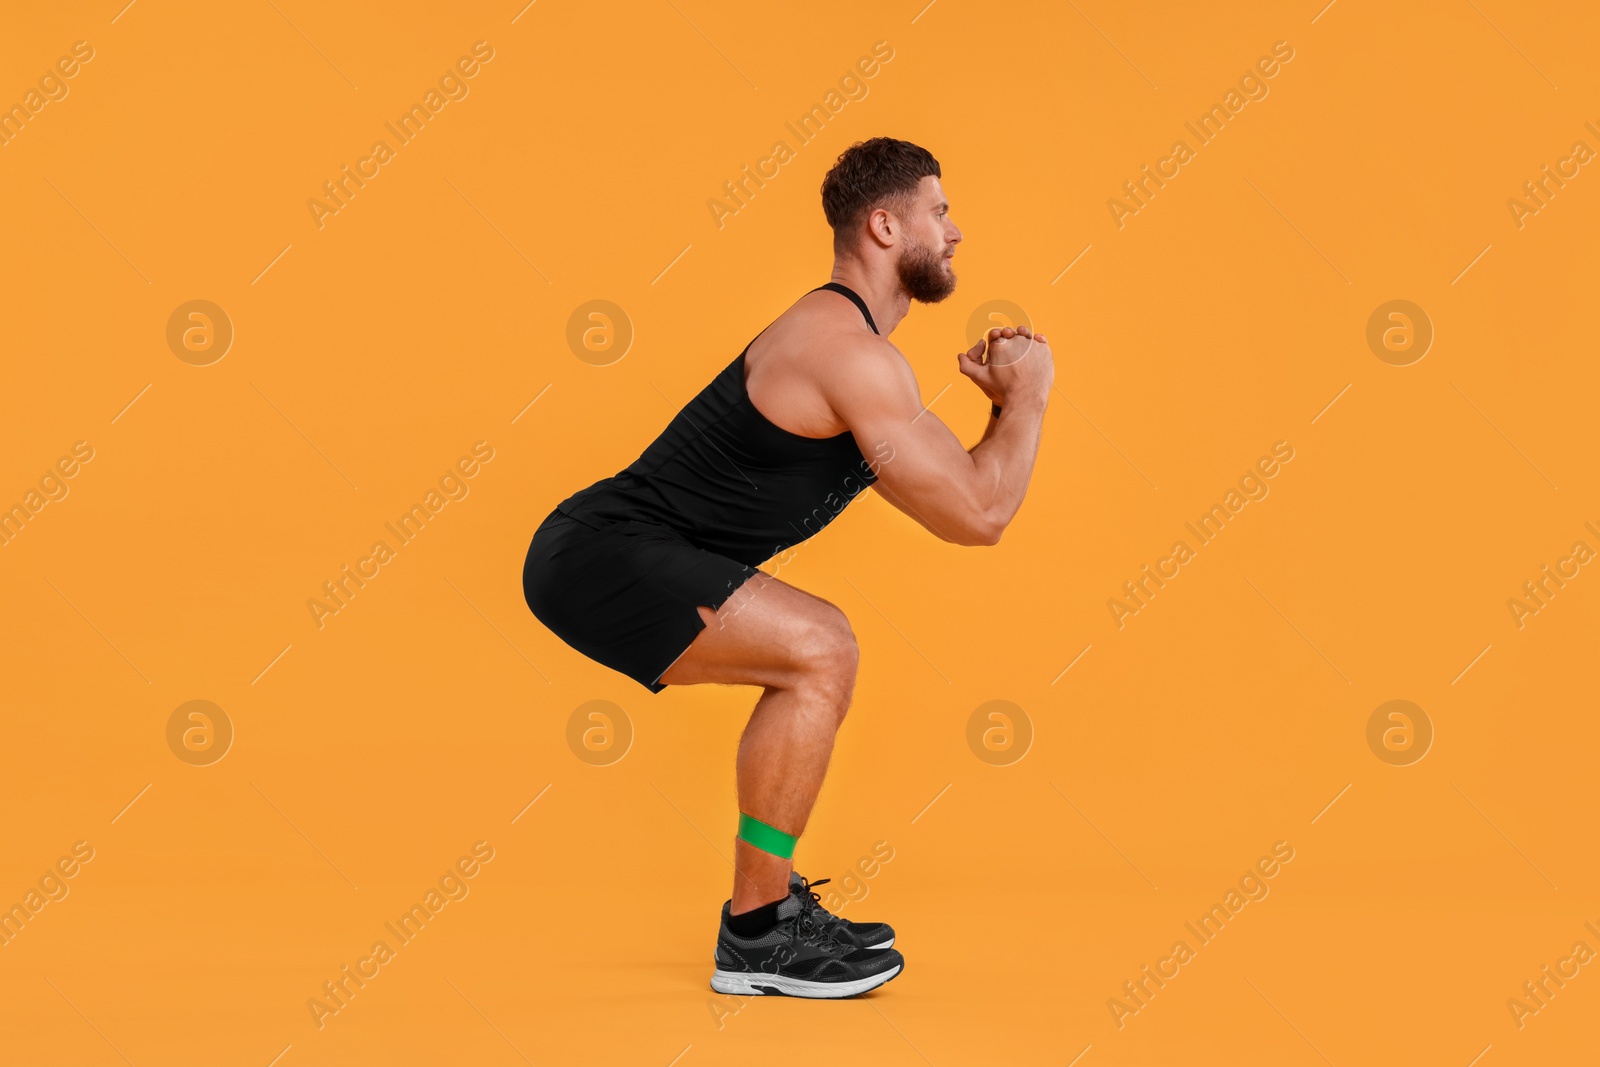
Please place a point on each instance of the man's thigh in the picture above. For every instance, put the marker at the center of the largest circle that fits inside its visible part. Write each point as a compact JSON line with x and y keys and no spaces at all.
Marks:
{"x":753,"y":637}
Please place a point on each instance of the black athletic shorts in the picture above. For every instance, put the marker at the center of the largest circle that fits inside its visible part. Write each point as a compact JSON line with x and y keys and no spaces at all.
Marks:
{"x":625,"y":593}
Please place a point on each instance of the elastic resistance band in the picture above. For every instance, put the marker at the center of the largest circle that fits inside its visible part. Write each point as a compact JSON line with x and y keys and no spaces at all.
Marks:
{"x":766,"y":838}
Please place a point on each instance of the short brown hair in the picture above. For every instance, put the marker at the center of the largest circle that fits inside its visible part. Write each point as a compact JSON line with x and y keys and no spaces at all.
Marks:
{"x":868,"y":175}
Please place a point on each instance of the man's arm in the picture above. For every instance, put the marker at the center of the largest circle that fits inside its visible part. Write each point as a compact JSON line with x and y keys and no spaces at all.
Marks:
{"x":967,"y":497}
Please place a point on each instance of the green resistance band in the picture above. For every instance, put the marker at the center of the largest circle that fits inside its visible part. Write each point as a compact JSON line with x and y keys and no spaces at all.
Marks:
{"x":766,"y":838}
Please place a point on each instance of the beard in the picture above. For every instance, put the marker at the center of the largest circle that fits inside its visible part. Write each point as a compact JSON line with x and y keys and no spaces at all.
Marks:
{"x":923,"y":274}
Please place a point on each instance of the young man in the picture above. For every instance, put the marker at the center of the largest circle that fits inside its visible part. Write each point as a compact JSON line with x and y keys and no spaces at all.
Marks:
{"x":653,"y":571}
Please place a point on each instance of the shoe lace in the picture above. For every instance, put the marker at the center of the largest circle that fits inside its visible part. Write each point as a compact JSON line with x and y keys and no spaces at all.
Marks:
{"x":807,"y":888}
{"x":812,"y":901}
{"x":808,"y":928}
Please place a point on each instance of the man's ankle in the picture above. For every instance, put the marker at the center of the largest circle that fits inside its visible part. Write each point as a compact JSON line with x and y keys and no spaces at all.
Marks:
{"x":756,"y":921}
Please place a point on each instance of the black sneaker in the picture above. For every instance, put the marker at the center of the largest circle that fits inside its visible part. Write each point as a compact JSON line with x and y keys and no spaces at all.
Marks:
{"x":798,"y":958}
{"x":861,"y":935}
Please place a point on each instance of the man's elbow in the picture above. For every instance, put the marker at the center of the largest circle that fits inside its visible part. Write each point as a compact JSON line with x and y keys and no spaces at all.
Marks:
{"x":981,"y":533}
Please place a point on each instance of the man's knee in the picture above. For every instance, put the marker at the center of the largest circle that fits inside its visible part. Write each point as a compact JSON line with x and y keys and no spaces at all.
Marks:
{"x":827,"y":652}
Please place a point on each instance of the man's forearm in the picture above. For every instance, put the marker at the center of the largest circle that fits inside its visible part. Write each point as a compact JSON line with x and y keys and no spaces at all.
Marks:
{"x":1004,"y":460}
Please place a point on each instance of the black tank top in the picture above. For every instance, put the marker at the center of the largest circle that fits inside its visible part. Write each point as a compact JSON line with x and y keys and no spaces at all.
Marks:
{"x":730,"y":481}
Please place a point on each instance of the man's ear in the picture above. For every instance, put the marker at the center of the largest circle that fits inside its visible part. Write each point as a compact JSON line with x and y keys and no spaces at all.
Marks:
{"x":882,"y":226}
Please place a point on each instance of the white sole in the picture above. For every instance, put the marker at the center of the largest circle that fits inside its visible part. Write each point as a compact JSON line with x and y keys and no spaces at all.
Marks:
{"x":757,"y":984}
{"x":873,"y":948}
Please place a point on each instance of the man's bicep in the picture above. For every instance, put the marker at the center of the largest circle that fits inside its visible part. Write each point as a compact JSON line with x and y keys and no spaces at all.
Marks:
{"x":881,"y":404}
{"x":921,"y":467}
{"x":923,"y":470}
{"x":873,"y":389}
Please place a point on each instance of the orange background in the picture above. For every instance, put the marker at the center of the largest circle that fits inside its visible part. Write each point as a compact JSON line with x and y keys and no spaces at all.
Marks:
{"x":1227,"y":715}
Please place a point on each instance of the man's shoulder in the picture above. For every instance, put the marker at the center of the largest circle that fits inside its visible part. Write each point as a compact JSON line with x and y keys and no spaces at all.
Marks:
{"x":857,"y":371}
{"x":824,"y":340}
{"x":828,"y":350}
{"x":831,"y":351}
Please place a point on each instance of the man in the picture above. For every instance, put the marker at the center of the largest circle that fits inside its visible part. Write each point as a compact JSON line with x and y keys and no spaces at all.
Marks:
{"x":653,"y":571}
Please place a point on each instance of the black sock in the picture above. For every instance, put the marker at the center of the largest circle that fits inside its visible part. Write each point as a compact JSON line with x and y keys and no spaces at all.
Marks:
{"x":756,"y":922}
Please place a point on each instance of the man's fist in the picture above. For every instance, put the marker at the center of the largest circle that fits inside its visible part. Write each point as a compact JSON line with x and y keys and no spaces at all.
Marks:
{"x":1010,"y":361}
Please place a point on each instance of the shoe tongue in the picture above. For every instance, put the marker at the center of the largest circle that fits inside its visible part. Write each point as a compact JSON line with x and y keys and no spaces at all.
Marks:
{"x":795,"y":881}
{"x":788,"y":907}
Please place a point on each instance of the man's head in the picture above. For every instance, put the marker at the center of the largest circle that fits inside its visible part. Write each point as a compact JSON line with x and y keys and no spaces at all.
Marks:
{"x":884,"y":201}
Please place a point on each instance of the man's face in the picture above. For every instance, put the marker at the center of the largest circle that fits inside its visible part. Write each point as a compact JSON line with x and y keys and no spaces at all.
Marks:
{"x":930,"y":240}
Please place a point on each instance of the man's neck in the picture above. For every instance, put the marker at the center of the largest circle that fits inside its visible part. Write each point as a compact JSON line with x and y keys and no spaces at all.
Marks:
{"x":886,"y":298}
